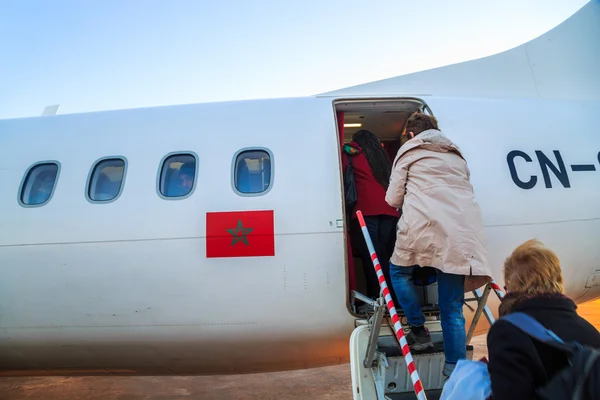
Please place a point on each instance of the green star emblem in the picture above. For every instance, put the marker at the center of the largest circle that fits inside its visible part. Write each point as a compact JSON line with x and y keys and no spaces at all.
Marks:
{"x":239,"y":234}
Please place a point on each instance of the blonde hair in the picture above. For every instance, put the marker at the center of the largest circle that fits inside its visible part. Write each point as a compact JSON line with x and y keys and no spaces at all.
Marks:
{"x":533,"y":269}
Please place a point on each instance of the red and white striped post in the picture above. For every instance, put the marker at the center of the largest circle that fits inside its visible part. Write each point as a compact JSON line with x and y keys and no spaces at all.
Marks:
{"x":497,"y":289}
{"x":410,"y":363}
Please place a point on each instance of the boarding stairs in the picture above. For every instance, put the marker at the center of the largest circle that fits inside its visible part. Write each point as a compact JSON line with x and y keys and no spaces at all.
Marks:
{"x":382,"y":355}
{"x":379,"y":367}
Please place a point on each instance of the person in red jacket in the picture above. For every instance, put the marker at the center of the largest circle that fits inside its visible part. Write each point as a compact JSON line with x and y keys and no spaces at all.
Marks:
{"x":372,"y":167}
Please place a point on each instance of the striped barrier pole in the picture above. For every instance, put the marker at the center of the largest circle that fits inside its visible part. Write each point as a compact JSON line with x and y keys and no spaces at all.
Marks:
{"x":410,"y":363}
{"x":497,"y":289}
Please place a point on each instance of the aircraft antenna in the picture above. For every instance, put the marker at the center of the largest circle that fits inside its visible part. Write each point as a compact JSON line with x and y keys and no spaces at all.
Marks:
{"x":50,"y":110}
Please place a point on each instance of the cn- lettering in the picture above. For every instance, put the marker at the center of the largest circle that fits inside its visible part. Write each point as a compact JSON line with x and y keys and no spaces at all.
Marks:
{"x":552,"y":165}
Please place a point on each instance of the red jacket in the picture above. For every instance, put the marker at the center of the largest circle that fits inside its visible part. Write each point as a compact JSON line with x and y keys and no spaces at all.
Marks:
{"x":370,"y":193}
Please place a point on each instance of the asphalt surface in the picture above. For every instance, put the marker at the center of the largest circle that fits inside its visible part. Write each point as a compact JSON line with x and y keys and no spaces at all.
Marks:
{"x":330,"y":383}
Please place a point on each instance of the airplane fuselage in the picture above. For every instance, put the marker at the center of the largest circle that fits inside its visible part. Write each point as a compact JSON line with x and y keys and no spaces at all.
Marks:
{"x":126,"y":286}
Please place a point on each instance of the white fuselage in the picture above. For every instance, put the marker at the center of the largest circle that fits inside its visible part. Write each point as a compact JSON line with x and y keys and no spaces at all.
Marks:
{"x":126,"y":286}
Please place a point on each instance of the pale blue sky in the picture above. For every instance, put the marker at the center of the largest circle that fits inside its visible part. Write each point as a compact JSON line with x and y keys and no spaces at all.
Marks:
{"x":111,"y":54}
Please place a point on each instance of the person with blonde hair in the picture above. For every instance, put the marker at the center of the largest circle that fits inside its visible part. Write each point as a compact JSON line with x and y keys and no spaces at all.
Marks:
{"x":518,"y":363}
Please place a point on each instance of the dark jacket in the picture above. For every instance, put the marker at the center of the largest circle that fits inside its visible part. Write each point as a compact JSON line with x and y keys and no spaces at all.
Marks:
{"x":370,"y":193}
{"x":517,"y":364}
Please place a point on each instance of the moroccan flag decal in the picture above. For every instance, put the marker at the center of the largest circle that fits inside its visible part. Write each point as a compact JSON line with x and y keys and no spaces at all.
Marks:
{"x":240,"y":234}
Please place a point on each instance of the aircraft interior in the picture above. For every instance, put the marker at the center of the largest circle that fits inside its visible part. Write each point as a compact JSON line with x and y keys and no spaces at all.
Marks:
{"x":386,"y":120}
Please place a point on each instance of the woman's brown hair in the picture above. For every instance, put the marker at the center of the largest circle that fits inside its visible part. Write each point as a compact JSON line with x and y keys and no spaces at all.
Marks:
{"x":419,"y":122}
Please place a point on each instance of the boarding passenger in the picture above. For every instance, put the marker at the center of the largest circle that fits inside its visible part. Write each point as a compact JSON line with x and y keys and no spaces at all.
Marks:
{"x":182,"y":185}
{"x":518,"y":364}
{"x":186,"y":175}
{"x":441,"y":227}
{"x":42,"y":187}
{"x":371,"y":166}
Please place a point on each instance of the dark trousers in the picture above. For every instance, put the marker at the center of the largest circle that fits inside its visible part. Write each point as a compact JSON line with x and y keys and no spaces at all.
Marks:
{"x":382,"y":229}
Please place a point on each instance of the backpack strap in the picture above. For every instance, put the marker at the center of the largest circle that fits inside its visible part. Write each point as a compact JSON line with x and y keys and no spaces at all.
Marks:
{"x":533,"y":328}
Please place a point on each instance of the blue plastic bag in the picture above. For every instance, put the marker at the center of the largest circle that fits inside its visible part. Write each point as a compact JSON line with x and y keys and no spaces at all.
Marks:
{"x":469,"y":381}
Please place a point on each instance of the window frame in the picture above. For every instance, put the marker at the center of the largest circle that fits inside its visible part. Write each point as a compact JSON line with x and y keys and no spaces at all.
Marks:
{"x":233,"y":171}
{"x":26,"y":175}
{"x":160,"y":170}
{"x":91,"y":173}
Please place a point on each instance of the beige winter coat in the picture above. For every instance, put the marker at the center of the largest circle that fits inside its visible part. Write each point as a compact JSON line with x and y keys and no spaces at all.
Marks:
{"x":441,"y":224}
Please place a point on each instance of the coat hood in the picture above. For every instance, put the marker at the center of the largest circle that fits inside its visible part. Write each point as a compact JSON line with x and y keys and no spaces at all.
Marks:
{"x":522,"y":301}
{"x":431,"y":139}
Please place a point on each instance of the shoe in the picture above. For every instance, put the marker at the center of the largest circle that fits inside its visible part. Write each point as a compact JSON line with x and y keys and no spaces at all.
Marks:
{"x":418,"y":338}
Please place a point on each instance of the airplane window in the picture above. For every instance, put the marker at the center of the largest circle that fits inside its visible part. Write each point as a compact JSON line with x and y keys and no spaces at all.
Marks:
{"x":39,"y":184}
{"x":178,"y":175}
{"x":252,"y":171}
{"x":106,"y":180}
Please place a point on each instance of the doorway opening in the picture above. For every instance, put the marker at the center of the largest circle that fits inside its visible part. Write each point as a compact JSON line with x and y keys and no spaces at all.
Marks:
{"x":385,"y":118}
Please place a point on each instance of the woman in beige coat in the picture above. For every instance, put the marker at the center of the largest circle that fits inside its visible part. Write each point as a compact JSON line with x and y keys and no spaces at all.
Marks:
{"x":440,"y":227}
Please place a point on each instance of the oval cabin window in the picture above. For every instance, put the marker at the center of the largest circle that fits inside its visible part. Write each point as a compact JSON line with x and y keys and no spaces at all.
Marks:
{"x":178,"y":175}
{"x":252,"y":171}
{"x":39,"y":184}
{"x":106,"y":180}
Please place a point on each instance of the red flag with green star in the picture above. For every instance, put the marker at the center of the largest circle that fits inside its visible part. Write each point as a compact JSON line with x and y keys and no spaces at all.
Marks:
{"x":240,"y":234}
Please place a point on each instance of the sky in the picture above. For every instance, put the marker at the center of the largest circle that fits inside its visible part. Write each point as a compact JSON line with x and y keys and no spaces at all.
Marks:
{"x":92,"y":55}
